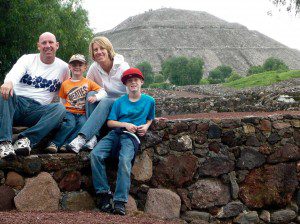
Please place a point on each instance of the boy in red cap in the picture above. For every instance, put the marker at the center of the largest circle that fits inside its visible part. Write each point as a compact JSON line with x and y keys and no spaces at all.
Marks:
{"x":130,"y":117}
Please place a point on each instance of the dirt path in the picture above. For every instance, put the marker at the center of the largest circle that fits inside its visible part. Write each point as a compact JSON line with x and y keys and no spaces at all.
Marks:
{"x":160,"y":93}
{"x":230,"y":115}
{"x":86,"y":217}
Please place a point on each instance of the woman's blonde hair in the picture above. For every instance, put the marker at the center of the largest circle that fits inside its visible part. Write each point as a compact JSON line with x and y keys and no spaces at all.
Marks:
{"x":105,"y":43}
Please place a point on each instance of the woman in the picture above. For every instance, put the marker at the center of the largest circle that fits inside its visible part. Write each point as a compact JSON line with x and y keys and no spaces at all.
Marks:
{"x":106,"y":71}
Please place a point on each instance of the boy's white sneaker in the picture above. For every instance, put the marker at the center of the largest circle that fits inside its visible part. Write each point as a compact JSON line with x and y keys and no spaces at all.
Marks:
{"x":91,"y":143}
{"x":76,"y":144}
{"x":22,"y":146}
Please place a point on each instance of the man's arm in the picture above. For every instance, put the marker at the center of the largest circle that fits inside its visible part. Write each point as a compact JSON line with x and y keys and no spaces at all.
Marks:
{"x":7,"y":90}
{"x":13,"y":76}
{"x":117,"y":124}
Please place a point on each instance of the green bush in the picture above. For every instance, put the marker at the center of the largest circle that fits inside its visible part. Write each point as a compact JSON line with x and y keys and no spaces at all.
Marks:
{"x":219,"y":74}
{"x":163,"y":85}
{"x":255,"y":70}
{"x":147,"y":71}
{"x":183,"y":71}
{"x":158,"y":78}
{"x":204,"y":82}
{"x":275,"y":64}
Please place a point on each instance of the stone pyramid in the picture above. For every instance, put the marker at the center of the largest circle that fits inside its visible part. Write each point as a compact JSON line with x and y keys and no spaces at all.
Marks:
{"x":159,"y":34}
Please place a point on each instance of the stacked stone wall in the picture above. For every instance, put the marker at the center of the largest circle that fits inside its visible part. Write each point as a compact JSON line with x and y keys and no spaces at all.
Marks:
{"x":241,"y":103}
{"x":217,"y":98}
{"x":244,"y":170}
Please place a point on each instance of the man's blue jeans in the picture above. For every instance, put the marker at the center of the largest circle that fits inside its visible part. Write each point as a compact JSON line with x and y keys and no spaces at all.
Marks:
{"x":69,"y":128}
{"x":23,"y":111}
{"x":98,"y":156}
{"x":97,"y":117}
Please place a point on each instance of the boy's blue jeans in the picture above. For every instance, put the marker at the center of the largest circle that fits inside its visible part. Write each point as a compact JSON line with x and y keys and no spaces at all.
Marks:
{"x":97,"y":114}
{"x":69,"y":128}
{"x":98,"y":156}
{"x":23,"y":111}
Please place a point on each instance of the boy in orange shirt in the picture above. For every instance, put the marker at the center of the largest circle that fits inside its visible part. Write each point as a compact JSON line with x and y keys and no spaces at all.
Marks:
{"x":73,"y":94}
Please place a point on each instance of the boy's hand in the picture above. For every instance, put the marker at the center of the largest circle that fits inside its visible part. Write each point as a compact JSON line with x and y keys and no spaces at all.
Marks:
{"x":161,"y":119}
{"x":92,"y":99}
{"x":131,"y":127}
{"x":142,"y":129}
{"x":7,"y":90}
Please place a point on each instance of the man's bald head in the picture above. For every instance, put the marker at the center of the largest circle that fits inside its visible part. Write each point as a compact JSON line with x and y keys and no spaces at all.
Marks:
{"x":47,"y":46}
{"x":47,"y":34}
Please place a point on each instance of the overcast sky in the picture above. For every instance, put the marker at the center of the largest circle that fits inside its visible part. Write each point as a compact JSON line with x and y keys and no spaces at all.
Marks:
{"x":260,"y":15}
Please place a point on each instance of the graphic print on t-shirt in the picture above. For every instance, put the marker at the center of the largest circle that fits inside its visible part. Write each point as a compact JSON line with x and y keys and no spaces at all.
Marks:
{"x":39,"y":82}
{"x":76,"y":96}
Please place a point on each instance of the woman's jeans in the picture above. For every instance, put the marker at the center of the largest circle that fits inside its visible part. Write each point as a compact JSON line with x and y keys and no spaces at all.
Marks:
{"x":97,"y":115}
{"x":69,"y":128}
{"x":23,"y":111}
{"x":101,"y":151}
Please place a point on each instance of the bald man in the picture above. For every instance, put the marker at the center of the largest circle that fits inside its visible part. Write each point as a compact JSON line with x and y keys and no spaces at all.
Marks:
{"x":26,"y":97}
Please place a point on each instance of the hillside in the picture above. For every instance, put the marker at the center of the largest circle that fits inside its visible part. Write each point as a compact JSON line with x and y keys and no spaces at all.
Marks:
{"x":159,"y":34}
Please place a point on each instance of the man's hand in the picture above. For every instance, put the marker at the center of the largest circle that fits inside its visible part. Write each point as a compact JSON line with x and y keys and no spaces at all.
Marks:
{"x":92,"y":99}
{"x":131,"y":127}
{"x":142,"y":129}
{"x":7,"y":90}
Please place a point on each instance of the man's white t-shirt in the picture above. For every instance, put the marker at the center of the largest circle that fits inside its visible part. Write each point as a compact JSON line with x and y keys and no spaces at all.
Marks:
{"x":36,"y":80}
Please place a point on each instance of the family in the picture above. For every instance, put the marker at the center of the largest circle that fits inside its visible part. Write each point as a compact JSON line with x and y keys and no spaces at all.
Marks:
{"x":109,"y":95}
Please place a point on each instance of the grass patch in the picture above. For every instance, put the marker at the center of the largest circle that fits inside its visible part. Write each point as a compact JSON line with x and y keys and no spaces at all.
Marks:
{"x":263,"y":79}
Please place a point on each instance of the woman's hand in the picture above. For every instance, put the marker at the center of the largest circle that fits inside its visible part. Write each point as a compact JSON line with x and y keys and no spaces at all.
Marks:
{"x":92,"y":99}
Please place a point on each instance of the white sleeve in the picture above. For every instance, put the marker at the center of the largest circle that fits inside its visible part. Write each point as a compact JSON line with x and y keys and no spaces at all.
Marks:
{"x":62,"y":101}
{"x":17,"y":71}
{"x":90,"y":74}
{"x":66,"y":75}
{"x":101,"y":94}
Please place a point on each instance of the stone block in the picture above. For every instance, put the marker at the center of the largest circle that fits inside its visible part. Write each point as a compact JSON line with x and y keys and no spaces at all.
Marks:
{"x":40,"y":193}
{"x":163,"y":203}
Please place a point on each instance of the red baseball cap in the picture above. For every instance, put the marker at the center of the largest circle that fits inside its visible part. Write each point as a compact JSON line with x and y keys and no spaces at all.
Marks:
{"x":130,"y":73}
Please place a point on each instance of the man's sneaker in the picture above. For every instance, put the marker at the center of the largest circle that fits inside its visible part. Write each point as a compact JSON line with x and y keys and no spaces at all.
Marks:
{"x":76,"y":144}
{"x":51,"y":148}
{"x":90,"y":144}
{"x":7,"y":150}
{"x":119,"y":208}
{"x":104,"y":202}
{"x":22,"y":147}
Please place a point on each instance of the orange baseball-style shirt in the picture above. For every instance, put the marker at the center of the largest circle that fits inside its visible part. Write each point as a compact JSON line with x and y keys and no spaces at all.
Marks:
{"x":75,"y":94}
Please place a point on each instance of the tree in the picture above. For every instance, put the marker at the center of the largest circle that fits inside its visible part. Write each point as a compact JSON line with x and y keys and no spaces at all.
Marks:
{"x":274,"y":64}
{"x":219,"y":74}
{"x":147,"y":71}
{"x":195,"y":66}
{"x":215,"y":77}
{"x":21,"y":23}
{"x":290,"y":5}
{"x":183,"y":71}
